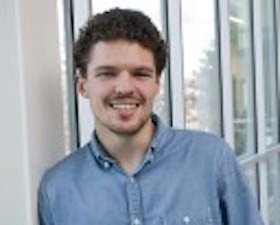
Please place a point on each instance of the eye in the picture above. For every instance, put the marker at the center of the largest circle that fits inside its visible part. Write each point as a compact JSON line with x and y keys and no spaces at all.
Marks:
{"x":106,"y":74}
{"x":142,"y":74}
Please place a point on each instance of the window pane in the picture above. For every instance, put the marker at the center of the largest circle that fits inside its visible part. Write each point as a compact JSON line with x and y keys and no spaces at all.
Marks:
{"x":270,"y":78}
{"x":153,"y":10}
{"x":273,"y":176}
{"x":251,"y":174}
{"x":242,"y":75}
{"x":201,"y":68}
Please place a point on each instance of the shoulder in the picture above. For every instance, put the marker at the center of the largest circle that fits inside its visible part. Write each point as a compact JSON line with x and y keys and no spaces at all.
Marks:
{"x":198,"y":140}
{"x":198,"y":146}
{"x":67,"y":168}
{"x":170,"y":137}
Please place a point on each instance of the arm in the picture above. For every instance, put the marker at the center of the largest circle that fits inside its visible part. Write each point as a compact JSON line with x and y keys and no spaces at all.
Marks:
{"x":236,"y":201}
{"x":44,"y":214}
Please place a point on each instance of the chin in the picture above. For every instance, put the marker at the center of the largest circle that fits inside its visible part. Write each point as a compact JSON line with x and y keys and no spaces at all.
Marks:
{"x":127,"y":131}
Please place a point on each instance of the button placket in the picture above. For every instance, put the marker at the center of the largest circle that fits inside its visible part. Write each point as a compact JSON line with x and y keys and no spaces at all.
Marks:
{"x":134,"y":201}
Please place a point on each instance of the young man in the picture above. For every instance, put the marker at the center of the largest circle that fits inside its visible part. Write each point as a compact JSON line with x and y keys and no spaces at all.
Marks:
{"x":135,"y":170}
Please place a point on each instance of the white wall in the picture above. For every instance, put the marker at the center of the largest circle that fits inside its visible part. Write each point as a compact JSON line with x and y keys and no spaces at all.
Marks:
{"x":31,"y":124}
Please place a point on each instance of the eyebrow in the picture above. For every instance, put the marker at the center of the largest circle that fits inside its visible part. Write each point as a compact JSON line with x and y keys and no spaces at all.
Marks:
{"x":101,"y":68}
{"x":140,"y":68}
{"x":145,"y":69}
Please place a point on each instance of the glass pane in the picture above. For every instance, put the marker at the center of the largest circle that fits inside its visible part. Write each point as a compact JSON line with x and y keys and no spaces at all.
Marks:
{"x":201,"y":68}
{"x":269,"y":71}
{"x":69,"y":143}
{"x":242,"y":75}
{"x":273,"y":177}
{"x":153,"y":10}
{"x":251,"y":175}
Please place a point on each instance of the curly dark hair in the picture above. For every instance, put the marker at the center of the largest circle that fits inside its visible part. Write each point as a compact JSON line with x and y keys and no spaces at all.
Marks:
{"x":115,"y":24}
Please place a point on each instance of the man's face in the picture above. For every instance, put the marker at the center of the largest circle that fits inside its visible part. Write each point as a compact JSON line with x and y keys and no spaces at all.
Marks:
{"x":121,"y":85}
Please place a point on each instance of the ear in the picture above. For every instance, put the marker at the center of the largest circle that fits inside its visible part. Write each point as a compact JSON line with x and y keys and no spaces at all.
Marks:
{"x":82,"y":85}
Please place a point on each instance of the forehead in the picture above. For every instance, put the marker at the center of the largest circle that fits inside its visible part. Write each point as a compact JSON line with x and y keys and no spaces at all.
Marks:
{"x":121,"y":52}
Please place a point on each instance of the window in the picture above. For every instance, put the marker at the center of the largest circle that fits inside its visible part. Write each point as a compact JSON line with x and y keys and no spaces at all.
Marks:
{"x":202,"y":90}
{"x":269,"y":72}
{"x":241,"y":57}
{"x":251,"y":175}
{"x":217,"y":84}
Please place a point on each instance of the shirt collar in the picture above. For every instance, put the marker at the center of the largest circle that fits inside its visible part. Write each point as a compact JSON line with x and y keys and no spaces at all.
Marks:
{"x":98,"y":150}
{"x":161,"y":132}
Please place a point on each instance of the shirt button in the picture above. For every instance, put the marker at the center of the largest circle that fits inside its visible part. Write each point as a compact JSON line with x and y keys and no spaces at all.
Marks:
{"x":106,"y":164}
{"x":136,"y":221}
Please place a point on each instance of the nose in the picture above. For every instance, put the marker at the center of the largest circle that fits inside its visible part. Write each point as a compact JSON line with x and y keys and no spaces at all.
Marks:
{"x":124,"y":83}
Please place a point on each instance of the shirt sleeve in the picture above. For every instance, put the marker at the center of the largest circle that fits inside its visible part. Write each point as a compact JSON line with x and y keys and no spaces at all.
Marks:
{"x":44,"y":212}
{"x":237,"y":204}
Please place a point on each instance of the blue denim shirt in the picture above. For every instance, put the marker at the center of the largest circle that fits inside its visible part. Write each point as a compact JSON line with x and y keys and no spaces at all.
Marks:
{"x":186,"y":177}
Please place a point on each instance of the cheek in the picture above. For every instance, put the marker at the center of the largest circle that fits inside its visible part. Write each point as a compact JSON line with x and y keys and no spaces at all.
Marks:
{"x":98,"y":90}
{"x":96,"y":96}
{"x":100,"y":95}
{"x":152,"y":95}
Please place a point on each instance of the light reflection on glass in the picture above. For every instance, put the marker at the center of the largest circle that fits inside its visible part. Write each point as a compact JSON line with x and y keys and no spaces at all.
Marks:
{"x":201,"y":68}
{"x":242,"y":76}
{"x":251,"y":175}
{"x":269,"y":73}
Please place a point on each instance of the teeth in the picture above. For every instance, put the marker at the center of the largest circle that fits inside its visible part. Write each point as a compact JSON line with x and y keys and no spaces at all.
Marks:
{"x":124,"y":106}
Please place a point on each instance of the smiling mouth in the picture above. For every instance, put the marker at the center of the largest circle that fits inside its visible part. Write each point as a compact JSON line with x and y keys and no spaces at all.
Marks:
{"x":124,"y":106}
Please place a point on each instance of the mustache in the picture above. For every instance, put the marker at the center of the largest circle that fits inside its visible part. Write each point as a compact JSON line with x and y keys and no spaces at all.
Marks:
{"x":119,"y":96}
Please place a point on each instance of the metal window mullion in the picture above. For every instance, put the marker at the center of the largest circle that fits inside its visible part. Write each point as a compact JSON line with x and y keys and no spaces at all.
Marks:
{"x":277,"y":33}
{"x":251,"y":160}
{"x":260,"y":105}
{"x":174,"y":37}
{"x":276,"y":29}
{"x":71,"y":91}
{"x":226,"y":79}
{"x":259,"y":76}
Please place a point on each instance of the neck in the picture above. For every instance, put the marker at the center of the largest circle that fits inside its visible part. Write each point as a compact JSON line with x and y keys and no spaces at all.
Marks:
{"x":127,"y":149}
